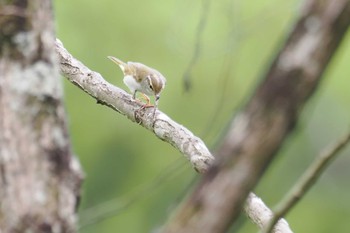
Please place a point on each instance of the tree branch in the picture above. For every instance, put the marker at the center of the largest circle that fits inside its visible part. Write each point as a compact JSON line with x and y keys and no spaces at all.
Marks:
{"x":306,"y":181}
{"x":161,"y":125}
{"x":261,"y":215}
{"x":181,"y":138}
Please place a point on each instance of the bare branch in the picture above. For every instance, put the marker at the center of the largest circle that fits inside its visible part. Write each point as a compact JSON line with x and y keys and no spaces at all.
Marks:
{"x":261,"y":215}
{"x":161,"y":125}
{"x":114,"y":97}
{"x":306,"y":181}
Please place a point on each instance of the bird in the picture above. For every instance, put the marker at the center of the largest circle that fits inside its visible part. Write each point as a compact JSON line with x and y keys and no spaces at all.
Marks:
{"x":141,"y":78}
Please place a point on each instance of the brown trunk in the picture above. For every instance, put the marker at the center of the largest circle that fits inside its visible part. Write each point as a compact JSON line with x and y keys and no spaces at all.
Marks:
{"x":258,"y":131}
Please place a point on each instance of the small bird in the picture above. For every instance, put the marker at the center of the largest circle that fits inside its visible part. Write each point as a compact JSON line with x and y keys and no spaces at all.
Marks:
{"x":139,"y":77}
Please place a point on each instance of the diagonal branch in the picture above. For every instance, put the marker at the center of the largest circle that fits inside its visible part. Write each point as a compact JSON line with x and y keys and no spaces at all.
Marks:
{"x":166,"y":129}
{"x":260,"y":215}
{"x":306,"y":181}
{"x":161,"y":125}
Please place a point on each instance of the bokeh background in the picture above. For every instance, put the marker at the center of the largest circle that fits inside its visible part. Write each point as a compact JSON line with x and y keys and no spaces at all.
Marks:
{"x":134,"y":180}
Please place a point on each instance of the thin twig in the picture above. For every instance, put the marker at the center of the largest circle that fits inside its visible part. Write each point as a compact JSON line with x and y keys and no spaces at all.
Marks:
{"x":112,"y":208}
{"x":198,"y":44}
{"x":309,"y":178}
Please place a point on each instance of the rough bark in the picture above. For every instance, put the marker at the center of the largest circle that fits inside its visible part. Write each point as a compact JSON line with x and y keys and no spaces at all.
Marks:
{"x":161,"y":125}
{"x":39,"y":177}
{"x":258,"y":131}
{"x":257,"y":211}
{"x":165,"y":128}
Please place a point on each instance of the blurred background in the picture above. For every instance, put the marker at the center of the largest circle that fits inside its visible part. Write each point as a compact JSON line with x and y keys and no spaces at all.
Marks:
{"x":134,"y":180}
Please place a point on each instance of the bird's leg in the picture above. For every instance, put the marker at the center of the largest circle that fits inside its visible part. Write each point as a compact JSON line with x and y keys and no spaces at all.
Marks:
{"x":146,"y":105}
{"x":145,"y":97}
{"x":155,"y":105}
{"x":148,"y":101}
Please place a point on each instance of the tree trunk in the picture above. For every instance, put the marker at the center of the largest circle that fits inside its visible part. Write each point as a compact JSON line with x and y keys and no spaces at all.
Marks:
{"x":39,"y":177}
{"x":258,"y":131}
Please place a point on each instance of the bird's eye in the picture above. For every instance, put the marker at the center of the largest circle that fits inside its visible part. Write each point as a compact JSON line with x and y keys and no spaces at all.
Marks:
{"x":150,"y":82}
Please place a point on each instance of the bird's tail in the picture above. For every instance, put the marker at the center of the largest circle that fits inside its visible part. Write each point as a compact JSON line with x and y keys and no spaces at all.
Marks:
{"x":120,"y":63}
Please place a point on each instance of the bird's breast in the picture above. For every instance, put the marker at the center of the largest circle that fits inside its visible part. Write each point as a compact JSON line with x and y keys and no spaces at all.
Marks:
{"x":131,"y":83}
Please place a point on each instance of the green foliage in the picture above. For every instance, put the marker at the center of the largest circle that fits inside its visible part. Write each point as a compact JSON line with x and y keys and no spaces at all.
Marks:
{"x":240,"y":40}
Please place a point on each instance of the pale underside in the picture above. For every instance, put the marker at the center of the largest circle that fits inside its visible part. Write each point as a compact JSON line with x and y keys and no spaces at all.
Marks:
{"x":136,"y":86}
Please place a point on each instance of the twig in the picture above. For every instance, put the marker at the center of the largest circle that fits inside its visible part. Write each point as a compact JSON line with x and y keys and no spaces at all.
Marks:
{"x":198,"y":44}
{"x":309,"y":178}
{"x":112,"y":208}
